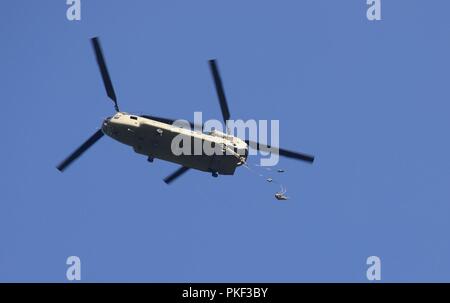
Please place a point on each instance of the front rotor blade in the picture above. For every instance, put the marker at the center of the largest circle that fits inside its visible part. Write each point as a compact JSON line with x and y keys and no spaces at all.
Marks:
{"x":281,"y":151}
{"x":176,"y":174}
{"x":77,"y":153}
{"x":104,"y":71}
{"x":220,"y":90}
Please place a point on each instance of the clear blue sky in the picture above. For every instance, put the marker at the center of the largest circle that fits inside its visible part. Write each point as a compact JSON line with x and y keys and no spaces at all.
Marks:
{"x":370,"y":100}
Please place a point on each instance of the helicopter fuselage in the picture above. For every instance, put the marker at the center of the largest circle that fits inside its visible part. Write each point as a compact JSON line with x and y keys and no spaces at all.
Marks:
{"x":159,"y":140}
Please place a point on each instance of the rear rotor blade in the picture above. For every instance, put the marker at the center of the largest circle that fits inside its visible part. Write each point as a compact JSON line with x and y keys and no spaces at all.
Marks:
{"x":176,"y":174}
{"x":104,"y":71}
{"x":78,"y":152}
{"x":220,"y":90}
{"x":281,"y":151}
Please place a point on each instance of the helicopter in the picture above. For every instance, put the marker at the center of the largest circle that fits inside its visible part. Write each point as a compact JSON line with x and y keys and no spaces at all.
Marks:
{"x":153,"y":136}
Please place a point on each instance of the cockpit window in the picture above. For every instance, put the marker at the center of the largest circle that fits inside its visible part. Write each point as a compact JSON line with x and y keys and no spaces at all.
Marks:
{"x":133,"y":117}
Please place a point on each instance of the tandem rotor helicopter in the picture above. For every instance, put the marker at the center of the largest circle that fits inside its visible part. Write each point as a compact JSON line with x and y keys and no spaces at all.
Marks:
{"x":152,"y":136}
